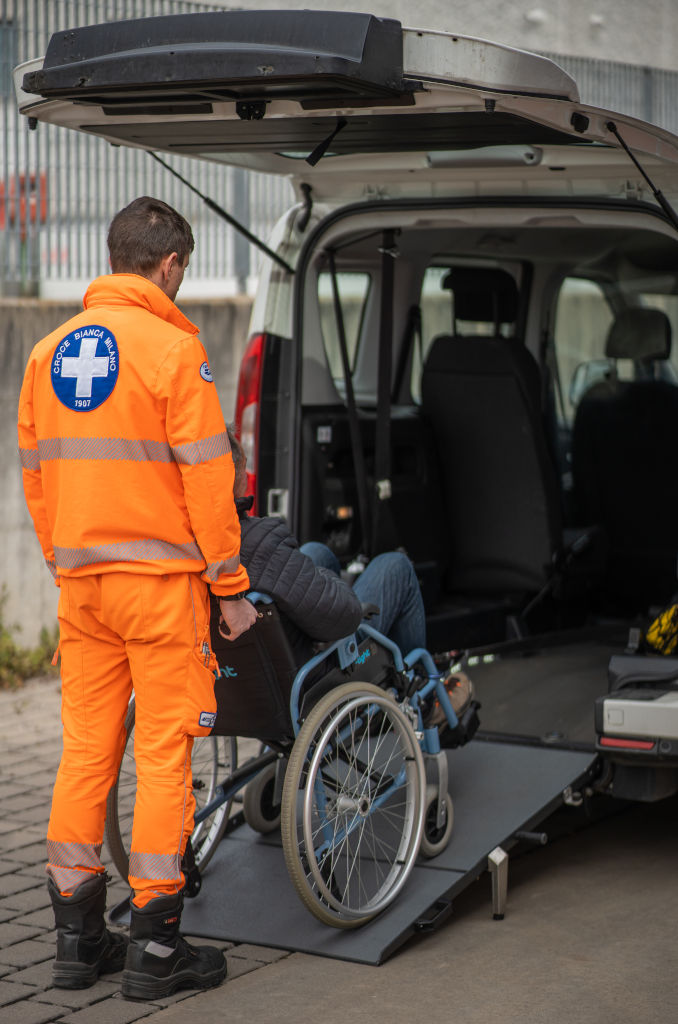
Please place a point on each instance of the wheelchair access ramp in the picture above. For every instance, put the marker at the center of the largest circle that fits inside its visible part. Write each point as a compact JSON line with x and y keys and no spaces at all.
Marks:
{"x":498,"y":789}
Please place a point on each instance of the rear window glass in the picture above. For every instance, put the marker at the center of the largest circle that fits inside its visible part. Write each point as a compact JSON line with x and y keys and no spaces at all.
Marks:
{"x":354,"y":289}
{"x":583,"y":318}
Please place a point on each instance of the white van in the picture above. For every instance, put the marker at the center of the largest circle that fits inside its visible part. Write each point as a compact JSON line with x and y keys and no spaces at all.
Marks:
{"x":461,"y":342}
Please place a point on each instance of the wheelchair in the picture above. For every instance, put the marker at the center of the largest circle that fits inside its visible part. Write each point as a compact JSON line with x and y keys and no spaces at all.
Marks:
{"x":345,"y":765}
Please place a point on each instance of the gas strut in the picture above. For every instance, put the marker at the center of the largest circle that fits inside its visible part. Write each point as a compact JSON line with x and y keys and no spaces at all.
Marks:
{"x":657,"y":193}
{"x":220,"y":212}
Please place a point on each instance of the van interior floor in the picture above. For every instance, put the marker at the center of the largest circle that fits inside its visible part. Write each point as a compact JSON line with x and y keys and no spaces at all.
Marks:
{"x":498,"y":790}
{"x":542,"y":690}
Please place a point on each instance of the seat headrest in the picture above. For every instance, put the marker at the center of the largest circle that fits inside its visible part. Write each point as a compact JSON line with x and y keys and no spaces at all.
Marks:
{"x":483,"y":295}
{"x":640,"y":334}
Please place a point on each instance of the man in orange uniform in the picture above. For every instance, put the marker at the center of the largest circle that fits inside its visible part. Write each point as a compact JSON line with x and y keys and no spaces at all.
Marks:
{"x":128,"y":477}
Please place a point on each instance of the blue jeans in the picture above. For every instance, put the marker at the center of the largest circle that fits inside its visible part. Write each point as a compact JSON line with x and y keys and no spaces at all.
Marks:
{"x":390,"y":583}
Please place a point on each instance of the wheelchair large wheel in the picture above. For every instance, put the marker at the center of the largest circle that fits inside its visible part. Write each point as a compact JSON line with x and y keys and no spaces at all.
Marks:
{"x":353,"y":805}
{"x":212,"y":760}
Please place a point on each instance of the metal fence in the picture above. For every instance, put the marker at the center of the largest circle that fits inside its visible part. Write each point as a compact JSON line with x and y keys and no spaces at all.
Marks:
{"x":637,"y":90}
{"x":58,"y":189}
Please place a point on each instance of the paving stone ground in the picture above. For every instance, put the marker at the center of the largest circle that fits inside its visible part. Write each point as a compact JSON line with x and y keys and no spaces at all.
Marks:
{"x":30,"y":746}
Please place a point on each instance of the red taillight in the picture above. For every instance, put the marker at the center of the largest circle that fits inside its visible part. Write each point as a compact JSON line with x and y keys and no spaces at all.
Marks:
{"x":247,"y":406}
{"x":619,"y":743}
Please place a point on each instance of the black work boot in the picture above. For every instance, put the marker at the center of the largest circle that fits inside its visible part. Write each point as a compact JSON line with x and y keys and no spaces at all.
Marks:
{"x":159,"y":960}
{"x":85,"y":947}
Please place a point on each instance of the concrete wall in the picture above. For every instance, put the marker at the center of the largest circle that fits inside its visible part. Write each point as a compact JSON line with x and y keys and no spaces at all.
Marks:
{"x":30,"y":595}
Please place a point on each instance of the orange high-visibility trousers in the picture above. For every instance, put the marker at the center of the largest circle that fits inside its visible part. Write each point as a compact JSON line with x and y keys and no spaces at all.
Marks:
{"x":117,"y":631}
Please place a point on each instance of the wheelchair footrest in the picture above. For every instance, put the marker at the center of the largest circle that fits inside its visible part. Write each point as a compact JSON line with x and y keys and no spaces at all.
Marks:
{"x":465,"y":729}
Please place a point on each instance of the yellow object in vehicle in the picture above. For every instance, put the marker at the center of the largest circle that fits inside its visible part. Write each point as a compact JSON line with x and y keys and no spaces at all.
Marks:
{"x":662,"y":635}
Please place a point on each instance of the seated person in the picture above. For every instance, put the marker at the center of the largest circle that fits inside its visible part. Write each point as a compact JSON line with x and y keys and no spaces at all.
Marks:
{"x":316,"y":604}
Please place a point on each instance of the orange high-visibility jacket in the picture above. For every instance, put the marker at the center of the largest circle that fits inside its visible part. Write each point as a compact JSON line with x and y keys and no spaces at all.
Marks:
{"x":126,"y":460}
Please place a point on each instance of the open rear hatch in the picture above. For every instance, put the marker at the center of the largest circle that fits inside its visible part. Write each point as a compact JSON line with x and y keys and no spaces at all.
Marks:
{"x":333,"y":99}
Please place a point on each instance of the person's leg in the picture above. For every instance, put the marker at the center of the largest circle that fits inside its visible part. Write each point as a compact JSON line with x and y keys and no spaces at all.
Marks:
{"x":321,"y":555}
{"x":95,"y":686}
{"x":389,"y":582}
{"x":166,"y":624}
{"x":95,"y":689}
{"x":172,"y":667}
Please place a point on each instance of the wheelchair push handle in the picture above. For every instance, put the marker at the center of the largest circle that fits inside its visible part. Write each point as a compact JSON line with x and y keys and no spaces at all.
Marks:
{"x":254,"y":597}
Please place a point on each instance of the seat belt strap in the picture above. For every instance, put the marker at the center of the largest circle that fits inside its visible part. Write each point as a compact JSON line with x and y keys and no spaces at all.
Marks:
{"x":352,"y":413}
{"x":383,"y":533}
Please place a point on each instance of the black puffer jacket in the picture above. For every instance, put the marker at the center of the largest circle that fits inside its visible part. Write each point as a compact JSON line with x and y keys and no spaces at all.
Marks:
{"x":316,"y":603}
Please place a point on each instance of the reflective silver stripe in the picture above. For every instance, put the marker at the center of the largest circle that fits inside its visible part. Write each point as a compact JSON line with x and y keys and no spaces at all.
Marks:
{"x":29,"y":458}
{"x":51,"y":565}
{"x":129,"y":551}
{"x":215,"y":569}
{"x":157,"y":867}
{"x":154,"y":948}
{"x":118,"y":448}
{"x":74,"y":855}
{"x":69,"y":864}
{"x":202,"y":451}
{"x":113,"y":448}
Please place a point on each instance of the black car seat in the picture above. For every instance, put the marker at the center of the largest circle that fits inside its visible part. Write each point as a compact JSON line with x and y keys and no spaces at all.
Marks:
{"x":482,"y":394}
{"x":625,"y":463}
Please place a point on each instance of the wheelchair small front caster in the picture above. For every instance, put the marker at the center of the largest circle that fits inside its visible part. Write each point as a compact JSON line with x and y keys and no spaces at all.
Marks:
{"x":261,"y":811}
{"x":435,"y":837}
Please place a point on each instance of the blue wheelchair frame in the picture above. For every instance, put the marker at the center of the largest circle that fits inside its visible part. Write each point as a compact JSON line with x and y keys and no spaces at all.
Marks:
{"x":347,"y":653}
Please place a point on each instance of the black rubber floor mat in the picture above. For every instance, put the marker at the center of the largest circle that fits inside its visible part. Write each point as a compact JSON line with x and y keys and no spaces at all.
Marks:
{"x":546,"y":695}
{"x":497,"y":790}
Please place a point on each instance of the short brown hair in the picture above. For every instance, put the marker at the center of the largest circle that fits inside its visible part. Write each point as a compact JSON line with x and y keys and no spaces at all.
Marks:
{"x":142,"y":234}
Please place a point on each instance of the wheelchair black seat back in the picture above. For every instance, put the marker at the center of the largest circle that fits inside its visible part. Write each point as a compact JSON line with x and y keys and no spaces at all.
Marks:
{"x":257,"y":672}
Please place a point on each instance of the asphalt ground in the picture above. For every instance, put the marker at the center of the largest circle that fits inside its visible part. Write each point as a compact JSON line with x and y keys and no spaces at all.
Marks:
{"x":589,"y":935}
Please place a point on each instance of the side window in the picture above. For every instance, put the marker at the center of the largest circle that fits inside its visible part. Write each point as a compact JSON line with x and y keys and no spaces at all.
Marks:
{"x":354,"y":289}
{"x":583,"y":318}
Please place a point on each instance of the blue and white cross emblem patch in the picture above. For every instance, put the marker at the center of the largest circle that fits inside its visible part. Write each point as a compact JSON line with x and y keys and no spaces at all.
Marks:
{"x":85,"y":367}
